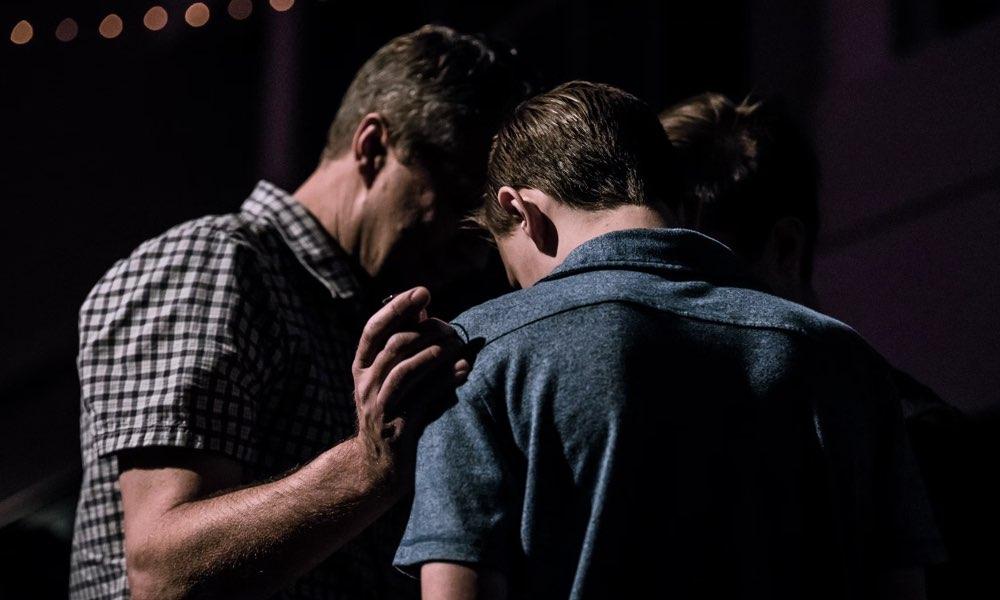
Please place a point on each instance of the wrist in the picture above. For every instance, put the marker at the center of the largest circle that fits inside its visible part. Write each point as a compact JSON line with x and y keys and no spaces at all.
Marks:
{"x":378,"y":469}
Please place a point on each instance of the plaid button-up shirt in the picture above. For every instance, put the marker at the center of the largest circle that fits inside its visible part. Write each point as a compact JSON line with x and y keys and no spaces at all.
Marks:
{"x":231,"y":334}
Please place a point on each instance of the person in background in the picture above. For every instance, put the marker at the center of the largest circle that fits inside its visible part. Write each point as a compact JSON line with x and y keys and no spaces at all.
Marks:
{"x":755,"y":179}
{"x":237,"y":442}
{"x":639,"y":421}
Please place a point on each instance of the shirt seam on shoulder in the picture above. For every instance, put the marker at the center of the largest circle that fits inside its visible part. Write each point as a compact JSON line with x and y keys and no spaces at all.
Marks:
{"x":718,"y":321}
{"x":235,"y":235}
{"x":477,"y":400}
{"x":616,"y":264}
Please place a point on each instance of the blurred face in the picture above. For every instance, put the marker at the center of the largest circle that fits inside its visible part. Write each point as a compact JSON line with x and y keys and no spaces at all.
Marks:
{"x":524,"y":264}
{"x":413,"y":229}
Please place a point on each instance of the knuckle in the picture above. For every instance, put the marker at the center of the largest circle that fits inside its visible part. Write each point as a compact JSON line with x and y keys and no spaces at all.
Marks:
{"x":396,"y":343}
{"x":405,"y":369}
{"x":367,"y":336}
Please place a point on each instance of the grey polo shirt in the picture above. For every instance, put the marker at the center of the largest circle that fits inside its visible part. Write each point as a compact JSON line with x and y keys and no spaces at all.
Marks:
{"x":642,"y":420}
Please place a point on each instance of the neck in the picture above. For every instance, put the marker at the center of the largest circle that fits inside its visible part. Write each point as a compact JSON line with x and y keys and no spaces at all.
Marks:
{"x":330,"y":194}
{"x":583,"y":226}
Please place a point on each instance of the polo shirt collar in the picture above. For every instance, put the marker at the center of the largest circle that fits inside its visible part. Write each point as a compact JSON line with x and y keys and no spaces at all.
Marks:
{"x":683,"y":252}
{"x":318,"y":252}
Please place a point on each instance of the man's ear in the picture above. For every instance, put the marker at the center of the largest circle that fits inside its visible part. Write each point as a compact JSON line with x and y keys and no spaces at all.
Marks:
{"x":530,"y":219}
{"x":370,"y":146}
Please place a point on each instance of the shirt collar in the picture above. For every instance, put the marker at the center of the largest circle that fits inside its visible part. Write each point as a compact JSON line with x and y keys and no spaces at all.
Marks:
{"x":318,"y":252}
{"x":680,"y":251}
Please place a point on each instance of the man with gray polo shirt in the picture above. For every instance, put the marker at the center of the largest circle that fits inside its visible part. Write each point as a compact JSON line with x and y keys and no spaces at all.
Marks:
{"x":640,"y":420}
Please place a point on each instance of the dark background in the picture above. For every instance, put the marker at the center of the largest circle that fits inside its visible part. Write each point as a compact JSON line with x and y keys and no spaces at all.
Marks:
{"x":108,"y":142}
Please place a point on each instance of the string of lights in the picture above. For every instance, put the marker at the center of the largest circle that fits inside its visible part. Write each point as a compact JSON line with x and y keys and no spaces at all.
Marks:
{"x":197,"y":14}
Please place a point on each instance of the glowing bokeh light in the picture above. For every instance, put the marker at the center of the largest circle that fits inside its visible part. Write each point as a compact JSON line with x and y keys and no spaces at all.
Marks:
{"x":111,"y":27}
{"x":197,"y":14}
{"x":66,"y":30}
{"x":281,"y":5}
{"x":240,"y":9}
{"x":155,"y":18}
{"x":22,"y":33}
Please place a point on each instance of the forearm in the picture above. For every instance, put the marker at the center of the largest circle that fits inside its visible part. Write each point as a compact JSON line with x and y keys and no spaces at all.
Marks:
{"x":251,"y":542}
{"x":452,"y":581}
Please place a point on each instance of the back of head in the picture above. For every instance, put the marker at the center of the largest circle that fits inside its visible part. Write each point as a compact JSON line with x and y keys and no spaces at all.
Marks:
{"x":442,"y":95}
{"x":745,"y":166}
{"x":588,"y":145}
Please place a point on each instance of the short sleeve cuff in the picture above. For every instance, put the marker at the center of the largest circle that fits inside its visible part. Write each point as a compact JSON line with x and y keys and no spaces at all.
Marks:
{"x":410,"y":556}
{"x":174,"y":436}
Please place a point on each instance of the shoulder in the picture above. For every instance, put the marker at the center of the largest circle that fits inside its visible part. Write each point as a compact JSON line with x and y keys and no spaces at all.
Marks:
{"x":200,"y":238}
{"x":492,"y":317}
{"x":189,"y":261}
{"x":727,"y":306}
{"x":586,"y":308}
{"x":766,"y":310}
{"x":823,"y":330}
{"x":191,"y":245}
{"x":522,"y":309}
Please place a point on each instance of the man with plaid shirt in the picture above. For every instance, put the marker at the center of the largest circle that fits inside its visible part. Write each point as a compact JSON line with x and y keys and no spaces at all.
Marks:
{"x":234,"y":443}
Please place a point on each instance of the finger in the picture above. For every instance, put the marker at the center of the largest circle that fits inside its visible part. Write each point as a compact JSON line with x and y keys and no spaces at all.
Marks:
{"x":431,"y":394}
{"x":460,"y":370}
{"x":402,"y":312}
{"x":394,"y":429}
{"x":433,"y":324}
{"x":439,"y":381}
{"x":411,"y":371}
{"x":400,"y":347}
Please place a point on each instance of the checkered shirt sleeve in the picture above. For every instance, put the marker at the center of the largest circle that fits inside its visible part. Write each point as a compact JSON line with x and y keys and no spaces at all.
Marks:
{"x":177,"y":345}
